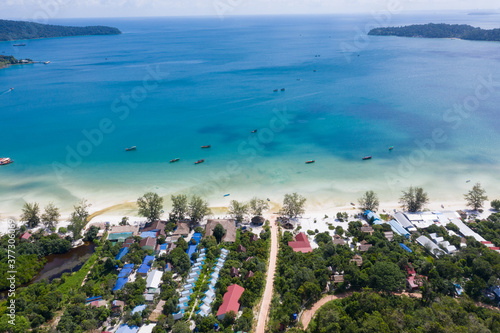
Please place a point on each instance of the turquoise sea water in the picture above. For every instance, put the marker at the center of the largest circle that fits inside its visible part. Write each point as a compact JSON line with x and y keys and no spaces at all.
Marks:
{"x":347,"y":95}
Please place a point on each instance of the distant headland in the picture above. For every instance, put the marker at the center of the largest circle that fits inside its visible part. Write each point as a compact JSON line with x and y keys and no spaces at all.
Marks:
{"x":18,"y":30}
{"x":442,"y":30}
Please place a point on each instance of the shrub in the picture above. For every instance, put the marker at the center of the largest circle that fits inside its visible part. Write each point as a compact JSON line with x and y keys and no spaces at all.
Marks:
{"x":310,"y":232}
{"x":495,"y":204}
{"x":63,"y":230}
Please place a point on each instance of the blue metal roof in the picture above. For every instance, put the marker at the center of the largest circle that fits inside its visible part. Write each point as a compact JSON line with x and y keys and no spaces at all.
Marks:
{"x":196,"y":236}
{"x":406,"y":248}
{"x":120,"y":283}
{"x":148,"y":260}
{"x":127,"y":329}
{"x":138,"y":308}
{"x":124,"y":272}
{"x":149,"y":234}
{"x":128,"y":266}
{"x":122,"y":253}
{"x":397,"y":228}
{"x":163,"y":246}
{"x":143,"y":269}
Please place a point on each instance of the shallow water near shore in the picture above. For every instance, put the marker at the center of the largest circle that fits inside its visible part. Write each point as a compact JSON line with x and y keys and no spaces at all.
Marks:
{"x":171,"y":85}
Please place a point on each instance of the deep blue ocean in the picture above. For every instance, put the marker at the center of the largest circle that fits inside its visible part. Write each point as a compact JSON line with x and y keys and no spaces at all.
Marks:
{"x":171,"y":85}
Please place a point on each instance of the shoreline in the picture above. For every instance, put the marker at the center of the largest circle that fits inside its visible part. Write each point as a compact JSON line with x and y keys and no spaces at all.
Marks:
{"x":317,"y":212}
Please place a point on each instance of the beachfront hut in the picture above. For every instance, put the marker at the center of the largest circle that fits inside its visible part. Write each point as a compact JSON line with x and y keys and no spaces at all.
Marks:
{"x":152,"y":234}
{"x":228,"y":225}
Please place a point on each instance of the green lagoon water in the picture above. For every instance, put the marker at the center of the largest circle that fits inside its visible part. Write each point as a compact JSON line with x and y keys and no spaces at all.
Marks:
{"x":171,"y":85}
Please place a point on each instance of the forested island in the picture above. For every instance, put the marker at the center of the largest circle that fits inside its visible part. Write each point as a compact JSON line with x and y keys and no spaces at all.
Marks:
{"x":16,"y":30}
{"x":441,"y":30}
{"x":10,"y":60}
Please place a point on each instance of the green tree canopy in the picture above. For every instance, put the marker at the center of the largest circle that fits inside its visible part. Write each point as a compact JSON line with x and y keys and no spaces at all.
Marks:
{"x":386,"y":276}
{"x":150,"y":205}
{"x":198,"y":209}
{"x":258,"y":206}
{"x":369,"y":201}
{"x":50,"y":216}
{"x":414,"y":199}
{"x":238,"y":210}
{"x":179,"y":207}
{"x":31,"y":214}
{"x":79,"y":218}
{"x":293,"y":205}
{"x":219,"y":232}
{"x":476,"y":197}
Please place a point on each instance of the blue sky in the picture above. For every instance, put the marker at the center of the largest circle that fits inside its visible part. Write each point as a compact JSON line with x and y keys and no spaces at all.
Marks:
{"x":37,"y":9}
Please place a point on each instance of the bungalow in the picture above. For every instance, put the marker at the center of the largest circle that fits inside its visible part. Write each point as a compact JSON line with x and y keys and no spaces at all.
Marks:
{"x":301,"y":244}
{"x":230,"y":301}
{"x":415,"y":281}
{"x":249,"y":275}
{"x":338,"y":278}
{"x":25,"y":236}
{"x":234,"y":272}
{"x":241,"y":249}
{"x":228,"y":225}
{"x":117,"y":306}
{"x":148,"y":243}
{"x":337,"y":240}
{"x":367,"y":229}
{"x":254,"y":238}
{"x":357,"y":259}
{"x":181,"y":230}
{"x":389,"y":235}
{"x":364,"y":246}
{"x":128,"y":242}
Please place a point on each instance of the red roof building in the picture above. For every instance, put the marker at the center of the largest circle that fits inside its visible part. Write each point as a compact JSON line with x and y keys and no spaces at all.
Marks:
{"x":25,"y":235}
{"x":230,"y":301}
{"x":301,"y":244}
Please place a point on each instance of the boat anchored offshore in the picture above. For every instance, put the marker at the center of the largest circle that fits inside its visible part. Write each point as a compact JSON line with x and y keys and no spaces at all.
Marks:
{"x":5,"y":160}
{"x":175,"y":160}
{"x":391,"y":147}
{"x":254,"y":131}
{"x":207,"y":146}
{"x":199,"y":161}
{"x":310,"y":161}
{"x":131,"y":148}
{"x":367,"y":158}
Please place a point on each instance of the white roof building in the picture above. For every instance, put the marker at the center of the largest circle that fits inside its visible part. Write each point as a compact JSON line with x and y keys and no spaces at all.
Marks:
{"x":154,"y":279}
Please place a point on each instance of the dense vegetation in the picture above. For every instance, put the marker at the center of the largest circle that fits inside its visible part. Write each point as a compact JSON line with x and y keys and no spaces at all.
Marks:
{"x":301,"y":278}
{"x":29,"y":256}
{"x":8,"y":60}
{"x":370,"y":312}
{"x":15,"y":30}
{"x":441,"y":30}
{"x":489,"y":228}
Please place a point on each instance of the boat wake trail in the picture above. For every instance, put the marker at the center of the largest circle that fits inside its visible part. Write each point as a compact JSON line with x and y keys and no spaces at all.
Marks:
{"x":6,"y":92}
